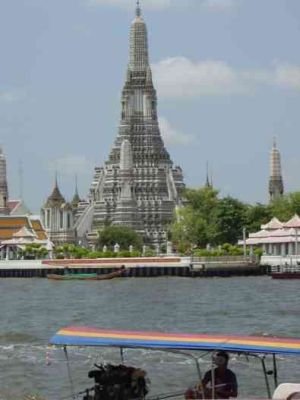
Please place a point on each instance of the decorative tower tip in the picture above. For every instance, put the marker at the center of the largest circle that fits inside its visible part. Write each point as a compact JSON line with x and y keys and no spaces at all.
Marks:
{"x":76,"y":184}
{"x":207,"y":176}
{"x":139,"y":58}
{"x":3,"y":185}
{"x":138,"y":11}
{"x":55,"y":180}
{"x":276,"y":187}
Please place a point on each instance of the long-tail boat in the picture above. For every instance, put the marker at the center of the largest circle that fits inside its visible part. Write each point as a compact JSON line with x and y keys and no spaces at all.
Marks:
{"x":86,"y":277}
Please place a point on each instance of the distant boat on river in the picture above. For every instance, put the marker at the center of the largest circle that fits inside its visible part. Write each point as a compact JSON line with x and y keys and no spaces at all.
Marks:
{"x":86,"y":277}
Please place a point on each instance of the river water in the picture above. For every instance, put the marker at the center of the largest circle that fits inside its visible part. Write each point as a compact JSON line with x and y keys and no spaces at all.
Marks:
{"x":32,"y":310}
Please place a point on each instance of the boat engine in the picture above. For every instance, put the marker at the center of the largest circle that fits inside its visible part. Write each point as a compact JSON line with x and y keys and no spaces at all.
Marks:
{"x":118,"y":382}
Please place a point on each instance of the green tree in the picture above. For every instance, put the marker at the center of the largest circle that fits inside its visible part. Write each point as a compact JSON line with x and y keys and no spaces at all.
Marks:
{"x":193,"y":222}
{"x":80,"y":252}
{"x":286,"y":206}
{"x":34,"y":251}
{"x":229,"y":220}
{"x":202,"y":200}
{"x":257,"y":215}
{"x":122,"y":235}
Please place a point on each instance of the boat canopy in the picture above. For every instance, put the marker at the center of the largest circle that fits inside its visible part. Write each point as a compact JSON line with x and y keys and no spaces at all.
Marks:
{"x":87,"y":336}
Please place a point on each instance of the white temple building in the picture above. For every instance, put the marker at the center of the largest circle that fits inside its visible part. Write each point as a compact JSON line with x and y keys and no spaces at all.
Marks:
{"x":58,"y":217}
{"x":277,"y":239}
{"x":12,"y":249}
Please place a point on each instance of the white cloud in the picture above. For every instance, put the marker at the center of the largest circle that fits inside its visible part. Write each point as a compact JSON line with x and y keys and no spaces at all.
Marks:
{"x":71,"y":165}
{"x":171,"y":136}
{"x":129,"y":4}
{"x":12,"y":96}
{"x":180,"y":77}
{"x":287,"y":76}
{"x":219,"y":5}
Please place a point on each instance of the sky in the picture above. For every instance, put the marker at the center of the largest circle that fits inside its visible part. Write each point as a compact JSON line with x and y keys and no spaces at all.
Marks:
{"x":227,"y":74}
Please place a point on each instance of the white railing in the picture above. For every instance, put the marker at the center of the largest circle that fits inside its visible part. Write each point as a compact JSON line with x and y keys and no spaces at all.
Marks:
{"x":286,"y":269}
{"x":226,"y":259}
{"x":280,"y":261}
{"x":19,"y":264}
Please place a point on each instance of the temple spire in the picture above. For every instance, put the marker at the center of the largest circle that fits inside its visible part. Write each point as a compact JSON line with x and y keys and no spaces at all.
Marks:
{"x":76,"y":199}
{"x":138,"y":11}
{"x":138,"y":186}
{"x":76,"y":184}
{"x":55,"y":180}
{"x":3,"y":184}
{"x":139,"y":59}
{"x":209,"y":178}
{"x":276,"y":181}
{"x":55,"y":197}
{"x":207,"y":184}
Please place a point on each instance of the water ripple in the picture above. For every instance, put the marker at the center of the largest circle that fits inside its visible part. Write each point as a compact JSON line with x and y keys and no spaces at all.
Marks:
{"x":255,"y":306}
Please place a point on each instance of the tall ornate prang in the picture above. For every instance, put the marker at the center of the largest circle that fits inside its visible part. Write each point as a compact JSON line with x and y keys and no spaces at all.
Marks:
{"x":4,"y":209}
{"x":276,"y":188}
{"x":152,"y":186}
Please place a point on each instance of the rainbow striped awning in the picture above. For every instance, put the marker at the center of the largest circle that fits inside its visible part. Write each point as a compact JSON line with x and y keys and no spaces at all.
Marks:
{"x":86,"y":336}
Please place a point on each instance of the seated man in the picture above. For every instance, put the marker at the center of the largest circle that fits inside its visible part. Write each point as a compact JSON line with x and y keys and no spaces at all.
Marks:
{"x":225,"y":382}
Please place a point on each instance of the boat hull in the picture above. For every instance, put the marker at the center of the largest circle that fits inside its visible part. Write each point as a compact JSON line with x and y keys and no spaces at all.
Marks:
{"x":286,"y":275}
{"x":72,"y":277}
{"x":85,"y":277}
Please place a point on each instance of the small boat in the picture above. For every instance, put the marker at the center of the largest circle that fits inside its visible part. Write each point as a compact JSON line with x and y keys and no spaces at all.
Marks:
{"x":112,"y":275}
{"x":286,"y":275}
{"x":71,"y":277}
{"x":86,"y":277}
{"x":111,"y":379}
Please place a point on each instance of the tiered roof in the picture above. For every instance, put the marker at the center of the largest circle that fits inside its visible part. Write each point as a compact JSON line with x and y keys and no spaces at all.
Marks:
{"x":13,"y":204}
{"x":273,"y":224}
{"x":293,"y":222}
{"x":55,"y":198}
{"x":24,"y":233}
{"x":10,"y":226}
{"x":39,"y":229}
{"x":276,"y":231}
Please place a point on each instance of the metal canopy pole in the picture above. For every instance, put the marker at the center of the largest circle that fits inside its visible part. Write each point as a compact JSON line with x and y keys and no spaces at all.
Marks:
{"x":191,"y":356}
{"x":122,"y":354}
{"x":69,"y":373}
{"x":262,"y":359}
{"x":213,"y":378}
{"x":266,"y":377}
{"x":275,"y":372}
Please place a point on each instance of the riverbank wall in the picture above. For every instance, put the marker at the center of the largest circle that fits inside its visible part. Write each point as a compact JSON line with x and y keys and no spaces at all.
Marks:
{"x":136,"y":267}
